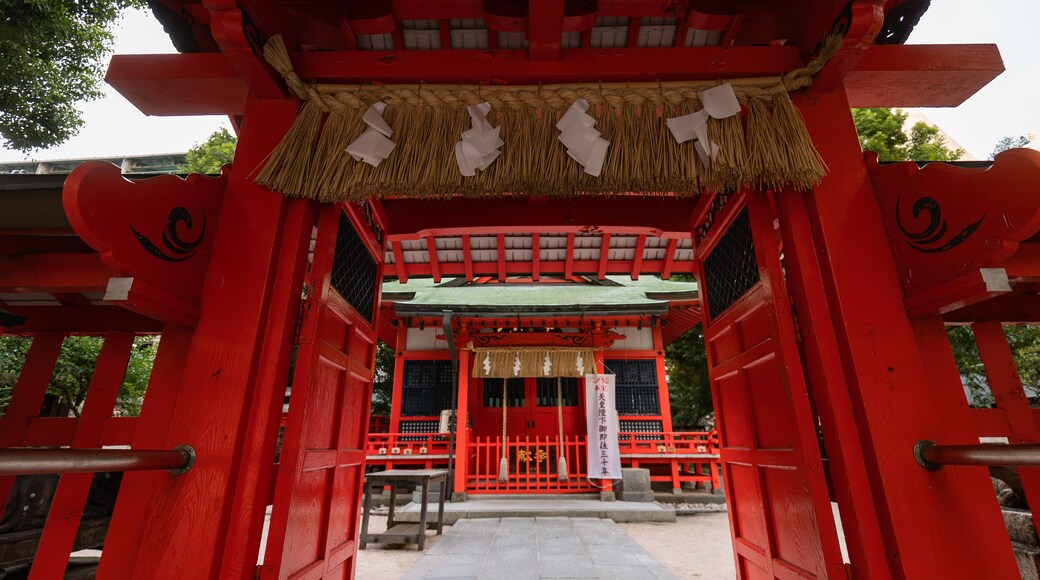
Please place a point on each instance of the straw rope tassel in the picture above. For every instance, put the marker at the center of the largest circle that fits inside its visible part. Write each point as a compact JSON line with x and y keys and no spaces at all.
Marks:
{"x":561,"y":463}
{"x":503,"y":465}
{"x":771,"y":150}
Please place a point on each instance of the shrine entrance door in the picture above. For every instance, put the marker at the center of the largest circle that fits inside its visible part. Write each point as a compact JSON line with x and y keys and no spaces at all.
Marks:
{"x":531,"y":409}
{"x":780,"y":511}
{"x":314,"y":518}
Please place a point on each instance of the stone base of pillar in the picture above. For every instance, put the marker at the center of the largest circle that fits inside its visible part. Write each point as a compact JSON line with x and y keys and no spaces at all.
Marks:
{"x":1024,"y":540}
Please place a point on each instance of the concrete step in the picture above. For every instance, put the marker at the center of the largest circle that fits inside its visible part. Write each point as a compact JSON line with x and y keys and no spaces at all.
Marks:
{"x":530,"y":506}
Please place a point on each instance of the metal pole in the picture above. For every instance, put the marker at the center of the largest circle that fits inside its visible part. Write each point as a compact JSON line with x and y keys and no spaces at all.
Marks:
{"x":30,"y":461}
{"x":932,"y":457}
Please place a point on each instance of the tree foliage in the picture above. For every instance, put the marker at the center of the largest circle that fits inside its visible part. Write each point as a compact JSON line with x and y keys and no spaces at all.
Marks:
{"x":51,"y":57}
{"x":383,"y":382}
{"x":75,"y":368}
{"x":881,"y":130}
{"x":212,"y":154}
{"x":689,"y":391}
{"x":1010,"y":143}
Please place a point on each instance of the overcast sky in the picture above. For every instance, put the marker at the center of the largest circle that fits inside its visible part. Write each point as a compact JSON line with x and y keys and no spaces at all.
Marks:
{"x":1008,"y":106}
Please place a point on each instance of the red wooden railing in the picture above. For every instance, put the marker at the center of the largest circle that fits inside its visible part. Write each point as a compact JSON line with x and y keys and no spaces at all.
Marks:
{"x":676,"y":457}
{"x":397,"y":446}
{"x":532,"y":465}
{"x":690,"y":456}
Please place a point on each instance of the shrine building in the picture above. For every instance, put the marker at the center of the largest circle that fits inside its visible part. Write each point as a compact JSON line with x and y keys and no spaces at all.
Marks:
{"x":532,"y":341}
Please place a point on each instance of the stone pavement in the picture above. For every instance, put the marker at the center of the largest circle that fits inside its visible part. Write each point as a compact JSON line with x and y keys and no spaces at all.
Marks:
{"x":532,"y":548}
{"x":532,"y":506}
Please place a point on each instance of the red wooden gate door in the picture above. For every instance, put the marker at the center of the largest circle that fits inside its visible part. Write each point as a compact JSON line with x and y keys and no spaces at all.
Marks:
{"x":321,"y":467}
{"x":780,"y":512}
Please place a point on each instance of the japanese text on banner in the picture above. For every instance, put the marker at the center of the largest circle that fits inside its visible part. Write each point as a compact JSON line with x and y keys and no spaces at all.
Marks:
{"x":603,"y":455}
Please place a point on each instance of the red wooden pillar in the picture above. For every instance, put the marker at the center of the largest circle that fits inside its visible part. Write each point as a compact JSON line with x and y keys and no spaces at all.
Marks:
{"x":462,"y":414}
{"x":185,"y":534}
{"x":396,"y":397}
{"x":898,"y":394}
{"x":665,"y":405}
{"x":662,"y":381}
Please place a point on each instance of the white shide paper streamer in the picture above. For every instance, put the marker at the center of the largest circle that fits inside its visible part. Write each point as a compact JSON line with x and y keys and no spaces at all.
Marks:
{"x":719,"y":102}
{"x":584,"y":143}
{"x":480,"y":145}
{"x":374,"y":145}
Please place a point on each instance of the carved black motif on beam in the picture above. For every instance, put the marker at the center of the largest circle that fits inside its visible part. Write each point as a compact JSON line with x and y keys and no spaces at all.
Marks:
{"x":177,"y":250}
{"x":930,"y":239}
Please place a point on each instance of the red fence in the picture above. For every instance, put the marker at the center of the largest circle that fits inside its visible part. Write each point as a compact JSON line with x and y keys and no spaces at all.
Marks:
{"x":532,"y":465}
{"x":676,"y":457}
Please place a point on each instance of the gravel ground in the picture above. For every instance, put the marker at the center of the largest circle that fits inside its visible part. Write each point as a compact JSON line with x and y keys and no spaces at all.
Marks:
{"x":697,"y":546}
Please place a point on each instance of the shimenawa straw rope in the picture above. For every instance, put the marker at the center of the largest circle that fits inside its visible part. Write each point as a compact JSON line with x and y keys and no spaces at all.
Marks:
{"x":770,"y":148}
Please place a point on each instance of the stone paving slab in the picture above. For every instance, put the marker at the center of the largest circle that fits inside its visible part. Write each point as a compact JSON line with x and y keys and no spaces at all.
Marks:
{"x":618,"y":511}
{"x":536,"y":548}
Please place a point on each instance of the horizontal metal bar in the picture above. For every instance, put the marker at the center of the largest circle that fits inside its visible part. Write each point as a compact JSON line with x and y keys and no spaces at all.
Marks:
{"x":30,"y":461}
{"x":932,"y":457}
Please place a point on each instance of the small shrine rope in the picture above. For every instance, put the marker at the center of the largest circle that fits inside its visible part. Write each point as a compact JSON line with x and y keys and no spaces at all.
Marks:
{"x":768,"y":146}
{"x":502,"y":362}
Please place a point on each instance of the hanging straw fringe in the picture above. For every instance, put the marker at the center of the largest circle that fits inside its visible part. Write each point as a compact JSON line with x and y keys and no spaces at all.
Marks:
{"x":770,"y":148}
{"x":564,"y":362}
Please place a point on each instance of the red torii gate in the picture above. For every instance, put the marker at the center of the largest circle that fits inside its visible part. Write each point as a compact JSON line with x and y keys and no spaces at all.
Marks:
{"x":825,"y":306}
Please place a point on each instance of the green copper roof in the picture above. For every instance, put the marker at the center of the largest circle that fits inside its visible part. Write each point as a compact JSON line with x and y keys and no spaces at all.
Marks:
{"x":648,"y":295}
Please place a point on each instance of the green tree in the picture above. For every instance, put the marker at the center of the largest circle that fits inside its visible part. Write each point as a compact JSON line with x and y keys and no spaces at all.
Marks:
{"x":383,"y":382}
{"x":881,"y":130}
{"x":689,"y":391}
{"x":1010,"y":143}
{"x":74,"y":369}
{"x":51,"y":58}
{"x":210,"y":155}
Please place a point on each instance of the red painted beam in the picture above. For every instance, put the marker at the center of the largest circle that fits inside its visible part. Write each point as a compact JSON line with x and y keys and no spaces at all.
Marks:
{"x":574,"y":65}
{"x":669,"y":258}
{"x":423,"y":217}
{"x":886,"y":75}
{"x":54,"y":273}
{"x":536,"y":256}
{"x":402,"y":267}
{"x":467,"y":256}
{"x":490,"y":270}
{"x":943,"y":75}
{"x":568,"y":268}
{"x":545,"y":29}
{"x":179,"y":84}
{"x":82,"y":320}
{"x":501,"y":246}
{"x":431,"y":249}
{"x":637,"y":255}
{"x":604,"y":255}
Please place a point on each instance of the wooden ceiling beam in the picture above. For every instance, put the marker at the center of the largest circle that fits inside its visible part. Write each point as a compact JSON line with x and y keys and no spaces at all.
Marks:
{"x":885,"y":75}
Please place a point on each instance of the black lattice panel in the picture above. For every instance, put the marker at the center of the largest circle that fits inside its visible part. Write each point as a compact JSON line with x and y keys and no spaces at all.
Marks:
{"x":731,"y":269}
{"x":514,"y":392}
{"x":354,"y":270}
{"x":547,"y":391}
{"x":427,"y":373}
{"x":636,"y":390}
{"x":633,"y":373}
{"x":418,"y":427}
{"x":426,"y":387}
{"x":641,"y":426}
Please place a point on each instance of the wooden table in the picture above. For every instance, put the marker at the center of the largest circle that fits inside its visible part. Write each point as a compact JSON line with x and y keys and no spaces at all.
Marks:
{"x":403,"y":533}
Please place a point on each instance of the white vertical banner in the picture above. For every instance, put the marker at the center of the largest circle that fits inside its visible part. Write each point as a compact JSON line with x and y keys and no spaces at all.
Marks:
{"x":604,"y":457}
